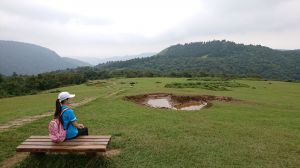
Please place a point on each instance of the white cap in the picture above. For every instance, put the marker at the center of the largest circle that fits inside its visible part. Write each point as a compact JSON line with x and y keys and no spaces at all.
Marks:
{"x":65,"y":95}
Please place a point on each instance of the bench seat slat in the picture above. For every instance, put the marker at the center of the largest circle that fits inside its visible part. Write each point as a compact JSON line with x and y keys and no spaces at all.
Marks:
{"x":72,"y":140}
{"x":79,"y":137}
{"x":37,"y":144}
{"x":63,"y":143}
{"x":88,"y":148}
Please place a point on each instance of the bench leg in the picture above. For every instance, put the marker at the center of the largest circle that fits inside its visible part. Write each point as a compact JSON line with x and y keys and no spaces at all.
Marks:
{"x":91,"y":154}
{"x":38,"y":154}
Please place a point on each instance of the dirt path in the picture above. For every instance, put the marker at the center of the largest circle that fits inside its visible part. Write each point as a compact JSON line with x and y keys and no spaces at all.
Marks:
{"x":114,"y":93}
{"x":22,"y":121}
{"x":84,"y":101}
{"x":10,"y":162}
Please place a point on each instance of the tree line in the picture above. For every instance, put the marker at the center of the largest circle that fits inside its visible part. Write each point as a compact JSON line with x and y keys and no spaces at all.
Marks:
{"x":17,"y":85}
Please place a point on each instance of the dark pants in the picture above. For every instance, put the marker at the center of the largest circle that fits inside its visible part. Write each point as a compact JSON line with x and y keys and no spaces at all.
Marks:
{"x":82,"y":131}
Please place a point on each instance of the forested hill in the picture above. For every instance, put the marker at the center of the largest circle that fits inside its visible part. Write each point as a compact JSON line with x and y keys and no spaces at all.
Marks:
{"x":25,"y":58}
{"x":219,"y":57}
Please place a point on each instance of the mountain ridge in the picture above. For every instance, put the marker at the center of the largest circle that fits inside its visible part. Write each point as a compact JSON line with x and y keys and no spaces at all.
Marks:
{"x":218,"y":57}
{"x":27,"y":59}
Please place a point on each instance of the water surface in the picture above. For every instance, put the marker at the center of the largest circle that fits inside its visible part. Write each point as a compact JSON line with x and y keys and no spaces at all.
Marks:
{"x":166,"y":102}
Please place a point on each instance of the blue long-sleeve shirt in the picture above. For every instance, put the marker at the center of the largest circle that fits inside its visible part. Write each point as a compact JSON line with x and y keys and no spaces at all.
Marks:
{"x":68,"y":117}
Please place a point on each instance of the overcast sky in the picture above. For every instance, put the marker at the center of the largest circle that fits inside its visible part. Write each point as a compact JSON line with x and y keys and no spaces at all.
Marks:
{"x":95,"y":28}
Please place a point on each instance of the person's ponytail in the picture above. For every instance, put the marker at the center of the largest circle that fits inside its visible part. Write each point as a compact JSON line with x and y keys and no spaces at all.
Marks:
{"x":57,"y":109}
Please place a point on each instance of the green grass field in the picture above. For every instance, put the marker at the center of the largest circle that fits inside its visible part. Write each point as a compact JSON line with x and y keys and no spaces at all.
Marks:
{"x":262,"y":133}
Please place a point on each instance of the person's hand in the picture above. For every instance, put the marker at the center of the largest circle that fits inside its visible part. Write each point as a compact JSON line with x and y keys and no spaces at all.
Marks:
{"x":80,"y":126}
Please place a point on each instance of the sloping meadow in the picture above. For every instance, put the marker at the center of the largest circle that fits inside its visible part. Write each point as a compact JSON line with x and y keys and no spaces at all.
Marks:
{"x":228,"y":134}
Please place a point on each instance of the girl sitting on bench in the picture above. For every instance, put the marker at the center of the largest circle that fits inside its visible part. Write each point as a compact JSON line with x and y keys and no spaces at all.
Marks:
{"x":67,"y":116}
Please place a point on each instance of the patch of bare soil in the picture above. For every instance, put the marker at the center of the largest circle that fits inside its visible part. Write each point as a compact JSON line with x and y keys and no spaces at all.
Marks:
{"x":83,"y":102}
{"x":179,"y":101}
{"x":115,"y":93}
{"x":10,"y":162}
{"x":112,"y":152}
{"x":22,"y":121}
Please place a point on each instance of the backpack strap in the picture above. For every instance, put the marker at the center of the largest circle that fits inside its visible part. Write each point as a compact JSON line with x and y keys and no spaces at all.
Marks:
{"x":64,"y":111}
{"x":62,"y":119}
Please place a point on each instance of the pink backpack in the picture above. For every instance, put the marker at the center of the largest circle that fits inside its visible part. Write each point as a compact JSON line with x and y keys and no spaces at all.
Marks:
{"x":56,"y":130}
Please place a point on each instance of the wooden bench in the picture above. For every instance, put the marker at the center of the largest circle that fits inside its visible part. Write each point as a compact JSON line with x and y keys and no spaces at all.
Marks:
{"x":87,"y":144}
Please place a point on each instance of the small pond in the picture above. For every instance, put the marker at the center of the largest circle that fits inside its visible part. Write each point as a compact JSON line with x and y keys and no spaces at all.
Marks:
{"x":177,"y":102}
{"x":166,"y":102}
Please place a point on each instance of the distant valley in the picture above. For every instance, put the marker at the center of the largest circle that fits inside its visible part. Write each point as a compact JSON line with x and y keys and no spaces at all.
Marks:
{"x":97,"y":60}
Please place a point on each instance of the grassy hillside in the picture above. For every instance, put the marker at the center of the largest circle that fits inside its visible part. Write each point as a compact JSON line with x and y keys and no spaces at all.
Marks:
{"x":219,"y":57}
{"x":264,"y":132}
{"x":26,"y":58}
